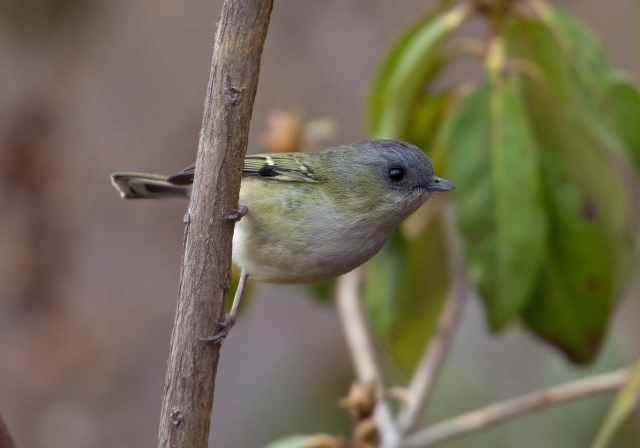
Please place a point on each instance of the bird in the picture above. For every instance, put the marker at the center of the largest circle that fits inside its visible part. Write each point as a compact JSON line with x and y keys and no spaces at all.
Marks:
{"x":308,"y":217}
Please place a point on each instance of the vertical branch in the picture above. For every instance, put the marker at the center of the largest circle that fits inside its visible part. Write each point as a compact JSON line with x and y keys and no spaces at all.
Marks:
{"x":205,"y":276}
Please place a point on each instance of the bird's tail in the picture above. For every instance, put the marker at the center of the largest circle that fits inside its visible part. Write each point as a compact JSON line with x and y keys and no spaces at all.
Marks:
{"x":148,"y":186}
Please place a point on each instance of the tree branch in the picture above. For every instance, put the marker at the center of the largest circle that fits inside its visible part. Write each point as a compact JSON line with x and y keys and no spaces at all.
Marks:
{"x":428,"y":369}
{"x":505,"y":410}
{"x":361,"y":347}
{"x":354,"y":324}
{"x":205,"y":276}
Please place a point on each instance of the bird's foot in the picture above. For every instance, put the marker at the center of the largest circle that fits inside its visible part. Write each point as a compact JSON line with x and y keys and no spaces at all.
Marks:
{"x":219,"y":337}
{"x":238,"y":214}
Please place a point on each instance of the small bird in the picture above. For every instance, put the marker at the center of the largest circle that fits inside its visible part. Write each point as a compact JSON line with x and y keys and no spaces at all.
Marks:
{"x":307,"y":217}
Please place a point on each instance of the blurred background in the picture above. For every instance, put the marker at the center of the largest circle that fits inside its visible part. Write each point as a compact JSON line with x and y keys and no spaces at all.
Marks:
{"x":88,"y":282}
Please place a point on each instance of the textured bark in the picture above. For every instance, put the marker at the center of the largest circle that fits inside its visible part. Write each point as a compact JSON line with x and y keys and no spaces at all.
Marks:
{"x":205,"y":277}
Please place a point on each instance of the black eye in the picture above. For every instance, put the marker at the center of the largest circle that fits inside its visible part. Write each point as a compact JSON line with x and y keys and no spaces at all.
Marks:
{"x":396,"y":174}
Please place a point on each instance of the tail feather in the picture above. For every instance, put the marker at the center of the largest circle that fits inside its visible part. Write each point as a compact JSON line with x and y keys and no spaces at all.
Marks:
{"x":148,"y":186}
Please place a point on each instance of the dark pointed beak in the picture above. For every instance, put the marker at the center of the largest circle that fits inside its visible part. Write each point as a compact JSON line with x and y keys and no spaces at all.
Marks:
{"x":440,"y":184}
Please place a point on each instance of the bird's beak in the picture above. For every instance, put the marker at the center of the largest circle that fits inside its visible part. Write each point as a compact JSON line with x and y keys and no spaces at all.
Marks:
{"x":440,"y":184}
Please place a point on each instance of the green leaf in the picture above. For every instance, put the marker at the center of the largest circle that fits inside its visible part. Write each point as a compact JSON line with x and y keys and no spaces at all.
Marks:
{"x":378,"y":92}
{"x":493,"y":161}
{"x":519,"y":212}
{"x":404,"y":290}
{"x":589,"y":247}
{"x":540,"y":52}
{"x":380,"y":288}
{"x":623,"y":103}
{"x":425,"y":119}
{"x":467,"y":136}
{"x":602,"y":92}
{"x":623,"y":405}
{"x":612,"y":99}
{"x":589,"y":243}
{"x":323,"y":291}
{"x":423,"y":290}
{"x":413,"y":61}
{"x":588,"y":58}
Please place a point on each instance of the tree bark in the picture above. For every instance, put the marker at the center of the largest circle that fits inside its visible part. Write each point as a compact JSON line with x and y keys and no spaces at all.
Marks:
{"x":206,"y":267}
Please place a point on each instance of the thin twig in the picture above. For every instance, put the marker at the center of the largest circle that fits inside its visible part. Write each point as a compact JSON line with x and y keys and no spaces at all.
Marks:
{"x":426,"y":374}
{"x":355,"y":327}
{"x":505,"y":410}
{"x":361,"y":347}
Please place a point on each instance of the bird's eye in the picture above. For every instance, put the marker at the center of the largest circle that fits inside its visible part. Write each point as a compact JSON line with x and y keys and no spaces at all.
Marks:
{"x":396,"y":174}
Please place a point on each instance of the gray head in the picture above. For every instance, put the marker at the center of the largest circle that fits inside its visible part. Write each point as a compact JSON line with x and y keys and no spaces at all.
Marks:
{"x":402,"y":174}
{"x":401,"y":165}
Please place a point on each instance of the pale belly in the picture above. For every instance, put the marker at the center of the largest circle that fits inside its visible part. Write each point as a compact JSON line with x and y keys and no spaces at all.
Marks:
{"x":297,"y":246}
{"x":291,"y":258}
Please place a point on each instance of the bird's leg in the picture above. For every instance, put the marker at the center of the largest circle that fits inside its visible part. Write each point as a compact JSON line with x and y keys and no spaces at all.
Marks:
{"x":229,"y":319}
{"x":238,"y":214}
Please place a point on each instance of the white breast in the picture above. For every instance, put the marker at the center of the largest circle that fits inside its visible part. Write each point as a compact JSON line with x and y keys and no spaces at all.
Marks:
{"x":317,"y":250}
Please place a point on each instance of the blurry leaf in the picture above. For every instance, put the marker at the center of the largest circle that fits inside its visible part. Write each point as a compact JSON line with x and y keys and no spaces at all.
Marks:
{"x":623,"y":405}
{"x":467,"y":135}
{"x":594,"y":81}
{"x":531,"y":41}
{"x":413,"y":60}
{"x":520,"y":216}
{"x":493,"y":160}
{"x":586,"y":54}
{"x":612,"y":99}
{"x":589,"y":244}
{"x":377,"y":95}
{"x":589,"y":237}
{"x":380,"y":288}
{"x":541,"y":208}
{"x":623,"y":97}
{"x":404,"y":289}
{"x":427,"y":115}
{"x":323,"y":291}
{"x":425,"y":282}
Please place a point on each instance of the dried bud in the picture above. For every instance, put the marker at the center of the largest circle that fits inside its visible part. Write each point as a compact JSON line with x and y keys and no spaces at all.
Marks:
{"x":361,"y":400}
{"x":365,"y":434}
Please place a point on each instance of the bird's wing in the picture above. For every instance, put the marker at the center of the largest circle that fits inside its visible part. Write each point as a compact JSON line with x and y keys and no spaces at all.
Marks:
{"x":183,"y":178}
{"x":285,"y":167}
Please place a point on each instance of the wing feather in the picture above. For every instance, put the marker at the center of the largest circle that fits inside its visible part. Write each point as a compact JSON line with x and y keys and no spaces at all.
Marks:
{"x":286,"y":167}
